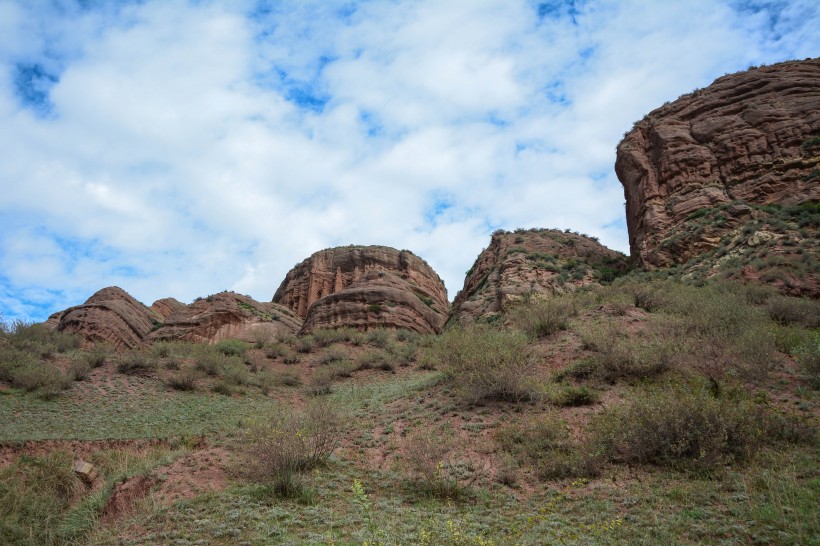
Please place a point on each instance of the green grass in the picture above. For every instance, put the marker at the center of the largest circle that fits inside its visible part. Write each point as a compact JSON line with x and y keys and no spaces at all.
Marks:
{"x":127,"y":407}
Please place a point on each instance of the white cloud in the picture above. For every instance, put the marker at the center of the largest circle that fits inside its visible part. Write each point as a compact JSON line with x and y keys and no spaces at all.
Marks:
{"x":181,"y":148}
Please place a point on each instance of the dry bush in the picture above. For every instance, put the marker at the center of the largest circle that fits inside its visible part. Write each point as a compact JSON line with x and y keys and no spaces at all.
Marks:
{"x":277,"y":452}
{"x":304,"y":344}
{"x":185,"y":380}
{"x":485,"y":363}
{"x":429,"y":459}
{"x":542,"y":317}
{"x":321,"y":382}
{"x":137,"y":363}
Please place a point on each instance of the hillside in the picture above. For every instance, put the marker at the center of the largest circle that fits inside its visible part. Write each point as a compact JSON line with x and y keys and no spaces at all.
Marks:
{"x":567,"y":396}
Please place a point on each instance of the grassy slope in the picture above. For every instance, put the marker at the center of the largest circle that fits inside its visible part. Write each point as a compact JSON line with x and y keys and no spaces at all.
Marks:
{"x":770,"y":499}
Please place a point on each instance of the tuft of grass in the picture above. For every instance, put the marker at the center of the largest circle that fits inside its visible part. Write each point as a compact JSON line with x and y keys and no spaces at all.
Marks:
{"x":572,"y":396}
{"x":35,"y":492}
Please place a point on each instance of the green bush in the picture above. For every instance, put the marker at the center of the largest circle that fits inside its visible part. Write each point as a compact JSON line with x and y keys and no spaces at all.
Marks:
{"x":485,"y":363}
{"x":544,"y":316}
{"x":680,"y":426}
{"x":799,"y":311}
{"x":294,"y":441}
{"x":231,"y":347}
{"x":48,"y":380}
{"x":378,"y":337}
{"x":574,"y":396}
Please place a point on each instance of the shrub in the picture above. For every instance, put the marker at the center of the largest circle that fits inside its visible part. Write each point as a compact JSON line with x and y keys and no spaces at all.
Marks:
{"x":574,"y":396}
{"x":304,"y":344}
{"x":223,"y":387}
{"x":277,"y":452}
{"x":429,"y":459}
{"x":326,"y":337}
{"x":378,"y":337}
{"x":275,"y":351}
{"x":97,"y":355}
{"x":183,"y":381}
{"x":39,"y":376}
{"x":231,"y":347}
{"x":161,"y":349}
{"x":289,"y":357}
{"x":137,"y":363}
{"x":807,"y":354}
{"x":620,"y":357}
{"x":321,"y":382}
{"x":79,"y":369}
{"x":485,"y":363}
{"x":679,"y":426}
{"x":331,"y":356}
{"x":788,"y":311}
{"x":544,"y":316}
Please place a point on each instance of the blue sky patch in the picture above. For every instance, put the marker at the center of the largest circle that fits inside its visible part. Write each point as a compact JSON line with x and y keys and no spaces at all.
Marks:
{"x":32,"y":83}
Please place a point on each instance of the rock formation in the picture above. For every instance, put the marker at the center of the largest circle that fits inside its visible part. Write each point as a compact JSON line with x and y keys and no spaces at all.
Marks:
{"x":166,"y":306}
{"x":109,"y":316}
{"x":227,"y":315}
{"x":532,"y":261}
{"x":365,"y":287}
{"x":726,"y":168}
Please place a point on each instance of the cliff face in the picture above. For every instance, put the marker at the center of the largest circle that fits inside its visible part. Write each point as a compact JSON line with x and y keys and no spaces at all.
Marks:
{"x":532,"y":261}
{"x":748,"y":141}
{"x":110,"y":316}
{"x":365,"y":287}
{"x":227,"y":315}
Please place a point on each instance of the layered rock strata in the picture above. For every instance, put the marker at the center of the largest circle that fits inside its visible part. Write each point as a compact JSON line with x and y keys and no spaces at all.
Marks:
{"x":527,"y":262}
{"x":227,"y":315}
{"x":365,"y":287}
{"x":727,"y":168}
{"x":110,"y":316}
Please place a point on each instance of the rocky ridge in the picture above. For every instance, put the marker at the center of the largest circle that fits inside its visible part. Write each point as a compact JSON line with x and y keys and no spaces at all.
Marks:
{"x":227,"y":315}
{"x":535,"y":261}
{"x":365,"y":287}
{"x":723,"y":170}
{"x":110,"y":316}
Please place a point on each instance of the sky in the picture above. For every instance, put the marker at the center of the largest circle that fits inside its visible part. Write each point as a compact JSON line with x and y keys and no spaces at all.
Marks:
{"x":178,"y":148}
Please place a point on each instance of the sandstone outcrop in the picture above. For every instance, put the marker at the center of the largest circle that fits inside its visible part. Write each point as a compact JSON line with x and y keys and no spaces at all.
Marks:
{"x":723,"y":167}
{"x":109,"y":316}
{"x":166,"y":306}
{"x":227,"y":315}
{"x":536,"y":261}
{"x":365,"y":287}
